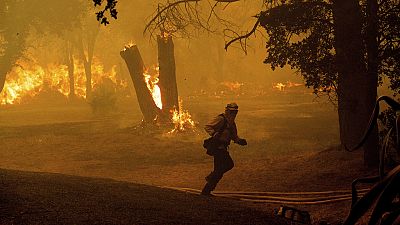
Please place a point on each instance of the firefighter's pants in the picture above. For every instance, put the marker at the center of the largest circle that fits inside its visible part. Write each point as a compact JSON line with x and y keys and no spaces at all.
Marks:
{"x":222,"y":164}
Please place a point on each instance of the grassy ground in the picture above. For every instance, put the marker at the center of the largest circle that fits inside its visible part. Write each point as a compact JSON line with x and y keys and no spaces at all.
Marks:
{"x":40,"y":198}
{"x":291,"y":147}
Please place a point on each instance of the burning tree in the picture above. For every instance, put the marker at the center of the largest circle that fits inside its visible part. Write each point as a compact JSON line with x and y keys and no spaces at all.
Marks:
{"x":157,"y":94}
{"x":18,"y":19}
{"x":323,"y":40}
{"x":136,"y":68}
{"x":166,"y":60}
{"x":330,"y":54}
{"x":181,"y":119}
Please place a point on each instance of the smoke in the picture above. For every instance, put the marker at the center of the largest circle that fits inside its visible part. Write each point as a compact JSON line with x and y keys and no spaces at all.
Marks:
{"x":203,"y":67}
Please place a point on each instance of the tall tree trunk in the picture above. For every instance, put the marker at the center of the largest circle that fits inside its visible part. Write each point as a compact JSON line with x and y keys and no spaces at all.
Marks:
{"x":13,"y":50}
{"x":356,"y":88}
{"x":167,"y":77}
{"x":71,"y":69}
{"x":370,"y":156}
{"x":5,"y":67}
{"x":88,"y":73}
{"x":88,"y":57}
{"x":134,"y":61}
{"x":71,"y":76}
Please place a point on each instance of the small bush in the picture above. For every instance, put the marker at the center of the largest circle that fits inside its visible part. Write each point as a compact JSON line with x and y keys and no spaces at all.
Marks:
{"x":104,"y":97}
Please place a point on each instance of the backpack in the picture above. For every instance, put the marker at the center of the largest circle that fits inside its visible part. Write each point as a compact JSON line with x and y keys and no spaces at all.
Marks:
{"x":212,"y":143}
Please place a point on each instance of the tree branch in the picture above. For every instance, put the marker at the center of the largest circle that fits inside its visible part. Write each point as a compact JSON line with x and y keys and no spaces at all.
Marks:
{"x":174,"y":4}
{"x":164,"y":9}
{"x":243,"y":36}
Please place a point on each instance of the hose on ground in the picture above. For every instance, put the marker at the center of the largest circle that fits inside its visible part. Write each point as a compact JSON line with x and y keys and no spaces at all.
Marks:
{"x":292,"y":198}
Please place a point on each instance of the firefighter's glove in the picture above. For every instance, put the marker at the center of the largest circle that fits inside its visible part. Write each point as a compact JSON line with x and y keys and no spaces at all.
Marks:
{"x":242,"y":141}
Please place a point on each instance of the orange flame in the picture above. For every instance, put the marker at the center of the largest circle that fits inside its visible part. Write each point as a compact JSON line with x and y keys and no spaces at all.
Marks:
{"x":181,"y":119}
{"x":289,"y":84}
{"x":29,"y":80}
{"x":279,"y":86}
{"x":292,"y":84}
{"x":129,"y":45}
{"x":165,"y":35}
{"x":152,"y":85}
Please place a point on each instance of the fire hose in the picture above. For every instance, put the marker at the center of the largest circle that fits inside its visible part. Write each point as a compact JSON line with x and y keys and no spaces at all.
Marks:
{"x":292,"y":198}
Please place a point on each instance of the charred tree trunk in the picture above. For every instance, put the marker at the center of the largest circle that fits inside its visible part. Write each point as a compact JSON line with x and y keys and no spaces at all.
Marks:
{"x":356,"y":88}
{"x":167,"y":77}
{"x":134,"y":61}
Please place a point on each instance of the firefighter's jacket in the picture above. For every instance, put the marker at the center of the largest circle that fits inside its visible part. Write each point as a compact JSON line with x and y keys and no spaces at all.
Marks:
{"x":226,"y":135}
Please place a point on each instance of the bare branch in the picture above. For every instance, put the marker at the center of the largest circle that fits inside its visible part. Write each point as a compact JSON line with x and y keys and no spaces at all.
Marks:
{"x":181,"y":15}
{"x":245,"y":37}
{"x":212,"y":12}
{"x":164,"y":9}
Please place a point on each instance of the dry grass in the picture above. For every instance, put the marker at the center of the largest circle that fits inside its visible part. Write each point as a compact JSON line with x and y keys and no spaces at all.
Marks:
{"x":291,"y":147}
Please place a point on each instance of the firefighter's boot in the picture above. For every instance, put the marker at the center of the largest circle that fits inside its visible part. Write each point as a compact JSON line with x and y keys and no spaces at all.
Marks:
{"x":208,"y":188}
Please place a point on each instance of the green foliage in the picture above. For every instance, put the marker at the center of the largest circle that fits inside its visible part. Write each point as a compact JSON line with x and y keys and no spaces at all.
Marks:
{"x":389,"y":40}
{"x":300,"y":34}
{"x":110,"y":7}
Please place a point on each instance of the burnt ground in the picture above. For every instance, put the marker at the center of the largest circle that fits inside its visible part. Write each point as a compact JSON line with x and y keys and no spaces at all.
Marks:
{"x":89,"y":169}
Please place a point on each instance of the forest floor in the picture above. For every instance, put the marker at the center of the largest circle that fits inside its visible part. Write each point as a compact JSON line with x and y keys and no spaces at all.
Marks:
{"x":91,"y":169}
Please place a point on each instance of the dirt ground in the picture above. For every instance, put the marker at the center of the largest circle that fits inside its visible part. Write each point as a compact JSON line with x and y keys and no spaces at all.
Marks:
{"x":292,"y":147}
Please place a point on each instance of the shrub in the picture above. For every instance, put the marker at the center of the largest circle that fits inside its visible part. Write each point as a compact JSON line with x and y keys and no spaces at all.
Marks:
{"x":104,"y":97}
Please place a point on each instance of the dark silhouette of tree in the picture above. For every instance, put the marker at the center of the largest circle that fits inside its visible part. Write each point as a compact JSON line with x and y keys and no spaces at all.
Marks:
{"x":332,"y":56}
{"x":357,"y":90}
